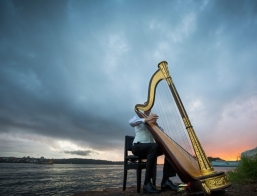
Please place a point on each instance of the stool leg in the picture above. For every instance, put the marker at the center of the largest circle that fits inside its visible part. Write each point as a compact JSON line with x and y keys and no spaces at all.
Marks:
{"x":139,"y":173}
{"x":125,"y":179}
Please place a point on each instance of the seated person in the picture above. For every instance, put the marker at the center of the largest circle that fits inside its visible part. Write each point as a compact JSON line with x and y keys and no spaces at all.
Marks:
{"x":145,"y":147}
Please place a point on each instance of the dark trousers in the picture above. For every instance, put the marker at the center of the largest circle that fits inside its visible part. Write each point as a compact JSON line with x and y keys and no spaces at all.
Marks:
{"x":150,"y":152}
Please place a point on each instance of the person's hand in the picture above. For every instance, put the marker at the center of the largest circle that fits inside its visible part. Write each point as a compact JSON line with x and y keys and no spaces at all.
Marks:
{"x":152,"y":118}
{"x":154,"y":121}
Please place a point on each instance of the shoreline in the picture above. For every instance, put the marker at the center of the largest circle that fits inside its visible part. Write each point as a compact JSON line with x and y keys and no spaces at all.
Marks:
{"x":234,"y":190}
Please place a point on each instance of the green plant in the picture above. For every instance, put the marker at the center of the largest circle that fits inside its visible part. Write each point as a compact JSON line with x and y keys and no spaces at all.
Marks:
{"x":246,"y":172}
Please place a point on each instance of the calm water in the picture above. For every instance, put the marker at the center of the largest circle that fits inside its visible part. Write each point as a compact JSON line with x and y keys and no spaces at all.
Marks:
{"x":65,"y":179}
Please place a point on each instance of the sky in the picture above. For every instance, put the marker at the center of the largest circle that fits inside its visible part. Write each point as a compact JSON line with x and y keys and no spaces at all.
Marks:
{"x":71,"y":72}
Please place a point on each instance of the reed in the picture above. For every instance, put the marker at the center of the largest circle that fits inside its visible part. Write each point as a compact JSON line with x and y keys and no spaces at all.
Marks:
{"x":246,"y":172}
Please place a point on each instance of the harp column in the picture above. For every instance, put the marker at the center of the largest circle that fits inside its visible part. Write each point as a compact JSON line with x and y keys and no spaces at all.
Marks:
{"x":204,"y":164}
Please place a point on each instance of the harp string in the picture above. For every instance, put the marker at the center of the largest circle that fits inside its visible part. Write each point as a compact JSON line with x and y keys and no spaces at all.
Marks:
{"x":171,"y":121}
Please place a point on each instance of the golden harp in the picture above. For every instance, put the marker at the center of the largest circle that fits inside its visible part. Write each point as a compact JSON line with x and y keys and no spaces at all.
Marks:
{"x":194,"y":169}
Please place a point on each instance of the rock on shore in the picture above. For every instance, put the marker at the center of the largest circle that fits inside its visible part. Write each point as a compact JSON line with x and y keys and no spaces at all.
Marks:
{"x":249,"y":153}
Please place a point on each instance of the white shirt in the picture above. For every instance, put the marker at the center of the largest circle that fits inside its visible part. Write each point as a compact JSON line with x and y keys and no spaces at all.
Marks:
{"x":143,"y":135}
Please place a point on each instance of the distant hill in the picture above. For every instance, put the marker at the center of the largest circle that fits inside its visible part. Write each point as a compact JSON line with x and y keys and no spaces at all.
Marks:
{"x":58,"y":161}
{"x":86,"y":161}
{"x":215,"y":159}
{"x":73,"y":160}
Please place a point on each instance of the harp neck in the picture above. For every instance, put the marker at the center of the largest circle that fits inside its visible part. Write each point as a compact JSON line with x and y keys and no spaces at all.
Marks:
{"x":160,"y":74}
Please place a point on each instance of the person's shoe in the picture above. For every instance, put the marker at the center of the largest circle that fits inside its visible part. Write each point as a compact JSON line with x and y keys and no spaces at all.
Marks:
{"x":168,"y":185}
{"x":149,"y":188}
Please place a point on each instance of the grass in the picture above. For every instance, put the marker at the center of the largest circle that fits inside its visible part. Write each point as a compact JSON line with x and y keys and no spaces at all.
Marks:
{"x":246,"y":172}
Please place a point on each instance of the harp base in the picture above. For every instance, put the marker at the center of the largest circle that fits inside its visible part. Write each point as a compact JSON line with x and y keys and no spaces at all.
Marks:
{"x":216,"y":182}
{"x":208,"y":184}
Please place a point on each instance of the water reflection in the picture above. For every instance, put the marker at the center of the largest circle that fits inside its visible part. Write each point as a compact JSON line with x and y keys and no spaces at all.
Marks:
{"x":66,"y":179}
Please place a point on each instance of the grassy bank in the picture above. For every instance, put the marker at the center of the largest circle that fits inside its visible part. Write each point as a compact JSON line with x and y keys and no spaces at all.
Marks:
{"x":246,"y":172}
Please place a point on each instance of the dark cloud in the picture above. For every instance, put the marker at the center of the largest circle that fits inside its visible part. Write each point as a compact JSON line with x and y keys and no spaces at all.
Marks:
{"x":73,"y":70}
{"x":81,"y":152}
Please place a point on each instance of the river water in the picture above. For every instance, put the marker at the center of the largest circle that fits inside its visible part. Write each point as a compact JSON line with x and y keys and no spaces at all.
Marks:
{"x":66,"y":179}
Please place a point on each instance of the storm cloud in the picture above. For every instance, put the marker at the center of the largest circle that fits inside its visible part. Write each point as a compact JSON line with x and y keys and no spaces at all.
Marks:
{"x":72,"y":71}
{"x":80,"y":152}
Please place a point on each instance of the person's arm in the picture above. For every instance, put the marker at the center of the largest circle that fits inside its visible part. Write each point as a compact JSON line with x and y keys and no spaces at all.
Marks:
{"x":136,"y":120}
